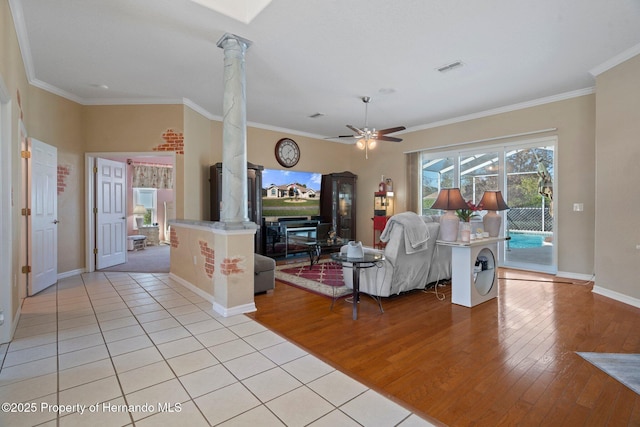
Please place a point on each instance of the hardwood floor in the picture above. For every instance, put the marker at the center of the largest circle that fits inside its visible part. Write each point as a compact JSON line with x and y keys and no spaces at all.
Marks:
{"x":509,"y":361}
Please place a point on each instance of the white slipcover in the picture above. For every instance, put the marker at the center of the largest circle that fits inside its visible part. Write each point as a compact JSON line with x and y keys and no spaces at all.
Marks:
{"x":401,"y":271}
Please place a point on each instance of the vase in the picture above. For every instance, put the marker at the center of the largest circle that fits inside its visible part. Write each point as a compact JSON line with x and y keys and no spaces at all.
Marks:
{"x":492,"y":221}
{"x":465,"y":232}
{"x":449,"y":223}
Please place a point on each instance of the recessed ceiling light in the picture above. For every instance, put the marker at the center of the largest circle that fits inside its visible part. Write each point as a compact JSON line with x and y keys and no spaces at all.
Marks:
{"x":316,"y":115}
{"x":450,"y":66}
{"x":100,"y":86}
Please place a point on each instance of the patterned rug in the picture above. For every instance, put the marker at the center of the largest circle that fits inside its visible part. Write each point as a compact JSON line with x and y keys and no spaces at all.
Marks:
{"x":623,"y":367}
{"x":324,"y":278}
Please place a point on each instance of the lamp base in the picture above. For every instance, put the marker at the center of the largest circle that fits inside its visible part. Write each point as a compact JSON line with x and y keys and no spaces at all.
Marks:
{"x":139,"y":222}
{"x":492,"y":221}
{"x":449,"y":224}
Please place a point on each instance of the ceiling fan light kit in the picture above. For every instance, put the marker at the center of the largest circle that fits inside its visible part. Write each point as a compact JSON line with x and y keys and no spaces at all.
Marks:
{"x":367,"y":139}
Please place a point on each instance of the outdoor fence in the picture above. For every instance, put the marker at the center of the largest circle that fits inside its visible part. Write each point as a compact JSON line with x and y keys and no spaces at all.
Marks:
{"x":530,"y":219}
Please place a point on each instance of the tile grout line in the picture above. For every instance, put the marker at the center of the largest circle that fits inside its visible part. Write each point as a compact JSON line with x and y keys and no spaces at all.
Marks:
{"x":238,"y":380}
{"x":132,"y":283}
{"x":124,"y":396}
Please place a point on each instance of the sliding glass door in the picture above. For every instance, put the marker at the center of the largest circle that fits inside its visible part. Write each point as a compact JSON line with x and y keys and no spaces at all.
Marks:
{"x":524,"y":173}
{"x":530,"y":221}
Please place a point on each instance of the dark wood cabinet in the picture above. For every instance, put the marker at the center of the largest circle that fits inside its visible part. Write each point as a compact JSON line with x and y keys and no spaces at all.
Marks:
{"x":254,"y":190}
{"x":338,"y":203}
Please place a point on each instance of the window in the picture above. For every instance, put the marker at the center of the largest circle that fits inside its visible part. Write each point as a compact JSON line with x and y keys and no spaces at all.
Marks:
{"x":147,"y":197}
{"x":524,"y":171}
{"x":437,"y":173}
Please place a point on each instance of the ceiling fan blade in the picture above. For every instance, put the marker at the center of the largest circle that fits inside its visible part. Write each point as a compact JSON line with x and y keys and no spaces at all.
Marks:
{"x":391,"y":130}
{"x":388,"y":138}
{"x":356,"y":130}
{"x":344,"y":136}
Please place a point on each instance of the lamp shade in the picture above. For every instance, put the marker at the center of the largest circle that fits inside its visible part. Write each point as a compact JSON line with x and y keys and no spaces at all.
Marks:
{"x":449,"y":199}
{"x":139,"y":210}
{"x":493,"y":201}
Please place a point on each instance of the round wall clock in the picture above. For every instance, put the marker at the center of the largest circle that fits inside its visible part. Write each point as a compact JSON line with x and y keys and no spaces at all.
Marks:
{"x":287,"y":152}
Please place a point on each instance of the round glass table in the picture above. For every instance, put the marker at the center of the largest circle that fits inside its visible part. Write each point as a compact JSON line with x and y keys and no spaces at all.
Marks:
{"x":367,"y":261}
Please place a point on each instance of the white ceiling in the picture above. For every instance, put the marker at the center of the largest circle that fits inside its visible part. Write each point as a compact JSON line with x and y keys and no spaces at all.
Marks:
{"x":312,"y":56}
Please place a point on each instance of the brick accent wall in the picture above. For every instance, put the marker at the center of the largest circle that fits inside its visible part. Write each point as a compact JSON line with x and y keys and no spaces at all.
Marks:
{"x":173,"y":237}
{"x":63,"y":173}
{"x":209,"y":258}
{"x":232,"y":266}
{"x":174,"y":141}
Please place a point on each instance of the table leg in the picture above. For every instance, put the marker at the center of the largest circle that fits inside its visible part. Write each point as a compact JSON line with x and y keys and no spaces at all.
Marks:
{"x":314,"y":255}
{"x":356,"y":289}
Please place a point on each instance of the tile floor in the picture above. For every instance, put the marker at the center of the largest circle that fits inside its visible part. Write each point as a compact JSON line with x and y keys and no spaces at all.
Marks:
{"x":138,"y":349}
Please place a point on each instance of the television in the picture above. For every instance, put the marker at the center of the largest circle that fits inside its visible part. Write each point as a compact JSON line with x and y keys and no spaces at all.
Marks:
{"x":287,"y":193}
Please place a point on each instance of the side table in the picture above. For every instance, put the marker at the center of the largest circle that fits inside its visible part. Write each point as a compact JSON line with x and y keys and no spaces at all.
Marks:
{"x":369,"y":260}
{"x":470,"y":284}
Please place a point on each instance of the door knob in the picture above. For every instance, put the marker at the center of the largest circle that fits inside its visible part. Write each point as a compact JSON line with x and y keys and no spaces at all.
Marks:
{"x":55,"y":221}
{"x":124,"y":217}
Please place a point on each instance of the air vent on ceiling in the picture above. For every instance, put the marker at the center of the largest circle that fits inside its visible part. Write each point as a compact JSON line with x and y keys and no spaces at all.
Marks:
{"x":449,"y":67}
{"x":316,"y":115}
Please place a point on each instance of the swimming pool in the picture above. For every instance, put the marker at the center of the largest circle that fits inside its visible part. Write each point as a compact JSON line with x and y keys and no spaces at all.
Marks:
{"x":526,"y":240}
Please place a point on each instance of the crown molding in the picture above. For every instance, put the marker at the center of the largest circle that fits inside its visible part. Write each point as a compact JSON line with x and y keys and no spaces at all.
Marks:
{"x":56,"y":91}
{"x":615,"y":61}
{"x":284,"y":130}
{"x":23,"y":41}
{"x":505,"y":109}
{"x":198,"y":109}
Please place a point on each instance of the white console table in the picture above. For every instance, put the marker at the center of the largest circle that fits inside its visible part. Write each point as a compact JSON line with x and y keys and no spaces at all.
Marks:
{"x":471,"y":285}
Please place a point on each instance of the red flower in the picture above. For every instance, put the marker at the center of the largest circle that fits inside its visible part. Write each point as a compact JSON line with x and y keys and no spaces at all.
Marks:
{"x":465,"y":215}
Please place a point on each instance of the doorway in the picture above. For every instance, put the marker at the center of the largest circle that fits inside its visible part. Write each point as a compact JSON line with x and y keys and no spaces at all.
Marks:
{"x":154,"y":230}
{"x":530,"y":224}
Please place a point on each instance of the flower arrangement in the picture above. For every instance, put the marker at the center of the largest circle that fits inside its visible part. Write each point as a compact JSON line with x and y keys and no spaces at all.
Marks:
{"x":465,"y":215}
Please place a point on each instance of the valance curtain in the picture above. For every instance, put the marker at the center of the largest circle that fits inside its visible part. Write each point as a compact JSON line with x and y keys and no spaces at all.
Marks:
{"x":160,"y":177}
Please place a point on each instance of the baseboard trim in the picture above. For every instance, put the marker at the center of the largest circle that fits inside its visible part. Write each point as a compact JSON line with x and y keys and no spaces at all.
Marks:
{"x":192,"y":287}
{"x":635,"y":302}
{"x":218,"y":308}
{"x":14,"y":325}
{"x":576,"y":276}
{"x":71,"y":273}
{"x":233,"y":311}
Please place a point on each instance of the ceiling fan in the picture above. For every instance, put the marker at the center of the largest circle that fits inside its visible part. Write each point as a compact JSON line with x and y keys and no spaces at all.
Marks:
{"x":366,"y":138}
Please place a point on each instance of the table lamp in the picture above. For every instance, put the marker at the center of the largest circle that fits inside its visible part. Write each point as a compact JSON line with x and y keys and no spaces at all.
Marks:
{"x":449,"y":199}
{"x":492,"y":201}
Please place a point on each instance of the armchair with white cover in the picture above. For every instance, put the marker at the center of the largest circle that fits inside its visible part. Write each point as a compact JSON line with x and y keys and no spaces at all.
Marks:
{"x":412,"y":258}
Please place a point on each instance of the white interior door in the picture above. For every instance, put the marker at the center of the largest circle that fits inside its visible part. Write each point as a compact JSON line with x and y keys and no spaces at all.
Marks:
{"x":43,"y":245}
{"x":111,"y":218}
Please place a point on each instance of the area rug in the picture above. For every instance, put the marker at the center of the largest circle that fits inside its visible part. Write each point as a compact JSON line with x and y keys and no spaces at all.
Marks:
{"x":324,"y":278}
{"x":623,"y":367}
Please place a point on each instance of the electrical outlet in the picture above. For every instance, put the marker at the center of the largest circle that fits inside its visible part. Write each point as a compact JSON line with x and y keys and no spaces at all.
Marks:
{"x":578,"y":207}
{"x":195,"y":261}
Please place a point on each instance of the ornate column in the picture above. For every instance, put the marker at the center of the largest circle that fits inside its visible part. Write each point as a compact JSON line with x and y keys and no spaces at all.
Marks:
{"x":234,"y":211}
{"x":229,"y":250}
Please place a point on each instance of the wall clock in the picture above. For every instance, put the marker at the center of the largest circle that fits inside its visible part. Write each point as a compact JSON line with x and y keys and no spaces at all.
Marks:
{"x":287,"y":152}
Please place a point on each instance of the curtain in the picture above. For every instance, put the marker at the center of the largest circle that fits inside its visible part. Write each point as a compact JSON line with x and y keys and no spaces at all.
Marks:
{"x":413,"y":182}
{"x":160,"y":177}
